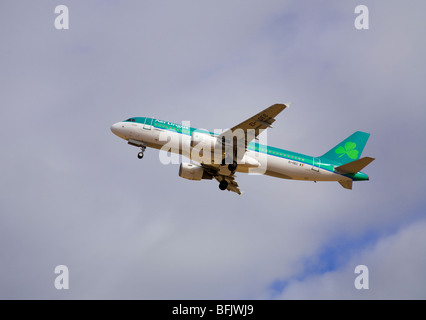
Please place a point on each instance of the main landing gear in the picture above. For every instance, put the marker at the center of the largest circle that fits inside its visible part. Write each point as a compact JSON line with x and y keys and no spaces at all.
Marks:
{"x":223,"y":185}
{"x":140,"y":154}
{"x":232,"y":166}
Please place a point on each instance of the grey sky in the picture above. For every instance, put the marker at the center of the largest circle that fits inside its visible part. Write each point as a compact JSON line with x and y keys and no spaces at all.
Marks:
{"x":72,"y":193}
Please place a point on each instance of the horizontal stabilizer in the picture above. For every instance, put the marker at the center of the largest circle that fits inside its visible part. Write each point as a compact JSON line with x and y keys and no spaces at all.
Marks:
{"x":354,"y":166}
{"x":347,"y":184}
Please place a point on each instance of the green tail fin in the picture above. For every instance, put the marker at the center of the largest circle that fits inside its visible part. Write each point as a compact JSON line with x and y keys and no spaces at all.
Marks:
{"x":348,"y":150}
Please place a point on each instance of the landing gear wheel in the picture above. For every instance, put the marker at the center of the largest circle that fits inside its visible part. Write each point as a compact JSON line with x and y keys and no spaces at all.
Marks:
{"x":223,"y":185}
{"x":232,"y":166}
{"x":140,"y":154}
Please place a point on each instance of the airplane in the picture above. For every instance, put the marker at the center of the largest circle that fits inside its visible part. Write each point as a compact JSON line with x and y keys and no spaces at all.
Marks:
{"x":221,"y":155}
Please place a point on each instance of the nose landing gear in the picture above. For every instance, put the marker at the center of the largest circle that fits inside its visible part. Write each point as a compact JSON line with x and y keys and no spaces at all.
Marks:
{"x":140,"y":154}
{"x":138,"y":144}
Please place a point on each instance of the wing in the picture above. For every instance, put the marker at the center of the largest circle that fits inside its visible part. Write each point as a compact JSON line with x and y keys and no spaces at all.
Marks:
{"x":215,"y":171}
{"x":250,"y":129}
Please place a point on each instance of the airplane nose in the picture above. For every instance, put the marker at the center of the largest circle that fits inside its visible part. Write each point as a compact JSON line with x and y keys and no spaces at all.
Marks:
{"x":115,"y":128}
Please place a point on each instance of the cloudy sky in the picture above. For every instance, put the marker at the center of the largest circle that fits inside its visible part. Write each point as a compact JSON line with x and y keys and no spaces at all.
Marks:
{"x":72,"y":193}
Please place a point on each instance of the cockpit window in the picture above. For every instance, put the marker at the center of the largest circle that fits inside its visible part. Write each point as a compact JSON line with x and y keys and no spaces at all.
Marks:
{"x":131,"y":120}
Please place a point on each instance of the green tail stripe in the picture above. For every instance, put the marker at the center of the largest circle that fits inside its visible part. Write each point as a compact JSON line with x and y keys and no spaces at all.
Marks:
{"x":348,"y":150}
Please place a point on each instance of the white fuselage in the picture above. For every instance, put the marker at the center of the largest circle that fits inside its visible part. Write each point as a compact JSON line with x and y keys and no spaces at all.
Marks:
{"x":268,"y":164}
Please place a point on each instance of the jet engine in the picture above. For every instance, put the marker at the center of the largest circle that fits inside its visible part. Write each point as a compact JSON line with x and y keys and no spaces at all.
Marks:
{"x":192,"y":171}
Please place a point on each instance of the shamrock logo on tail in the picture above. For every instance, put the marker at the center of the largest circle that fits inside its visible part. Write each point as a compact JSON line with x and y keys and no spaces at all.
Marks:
{"x":348,"y":149}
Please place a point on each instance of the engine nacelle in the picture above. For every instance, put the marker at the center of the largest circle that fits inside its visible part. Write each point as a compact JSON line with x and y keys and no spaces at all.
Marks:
{"x":201,"y":140}
{"x":193,"y":171}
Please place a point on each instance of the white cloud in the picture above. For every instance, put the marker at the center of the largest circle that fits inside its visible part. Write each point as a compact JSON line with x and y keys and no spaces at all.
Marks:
{"x":396,"y":267}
